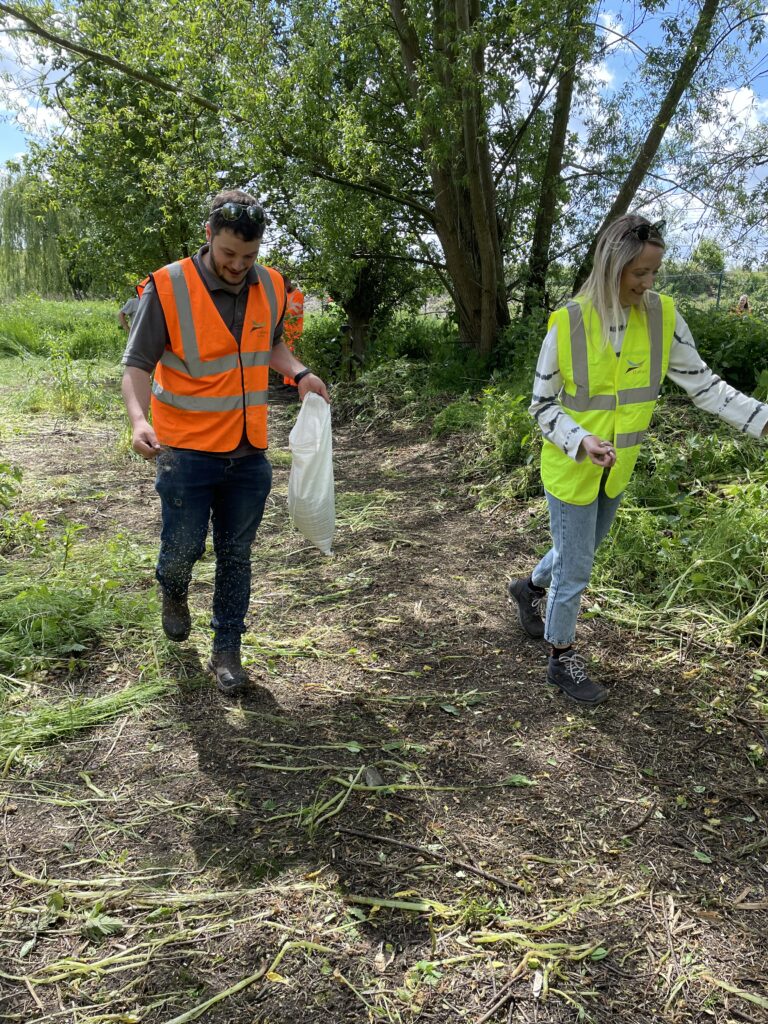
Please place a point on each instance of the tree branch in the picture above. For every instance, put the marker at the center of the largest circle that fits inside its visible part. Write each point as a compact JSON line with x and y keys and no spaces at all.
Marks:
{"x":104,"y":58}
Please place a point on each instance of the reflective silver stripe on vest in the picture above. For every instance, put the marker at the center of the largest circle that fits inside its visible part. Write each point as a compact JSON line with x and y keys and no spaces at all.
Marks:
{"x":631,"y":396}
{"x":630,"y":440}
{"x":256,"y":358}
{"x":581,"y":401}
{"x":207,"y":403}
{"x":269,"y":290}
{"x":192,"y":365}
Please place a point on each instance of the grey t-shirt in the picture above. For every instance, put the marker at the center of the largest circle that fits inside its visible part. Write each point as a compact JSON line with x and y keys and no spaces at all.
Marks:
{"x":149,"y":333}
{"x":129,"y":307}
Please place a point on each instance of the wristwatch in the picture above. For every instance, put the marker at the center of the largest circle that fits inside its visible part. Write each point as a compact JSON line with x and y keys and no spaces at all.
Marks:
{"x":301,"y":376}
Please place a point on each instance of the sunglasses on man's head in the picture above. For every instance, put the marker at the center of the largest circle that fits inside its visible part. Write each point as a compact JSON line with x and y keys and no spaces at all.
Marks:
{"x":644,"y":232}
{"x":233,"y":211}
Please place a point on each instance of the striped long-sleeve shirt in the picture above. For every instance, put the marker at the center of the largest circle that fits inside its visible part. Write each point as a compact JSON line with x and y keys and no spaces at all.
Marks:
{"x":686,"y":369}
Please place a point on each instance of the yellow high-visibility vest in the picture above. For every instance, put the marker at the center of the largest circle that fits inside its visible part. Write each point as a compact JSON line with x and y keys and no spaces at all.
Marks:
{"x":610,"y":396}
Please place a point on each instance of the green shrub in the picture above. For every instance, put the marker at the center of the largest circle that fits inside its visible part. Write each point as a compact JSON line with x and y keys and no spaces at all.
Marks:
{"x":736,"y":347}
{"x":392,"y":391}
{"x":18,"y":336}
{"x":510,"y":431}
{"x":17,"y":530}
{"x":320,"y":344}
{"x":519,"y":347}
{"x":66,"y":609}
{"x":499,"y":441}
{"x":464,"y":416}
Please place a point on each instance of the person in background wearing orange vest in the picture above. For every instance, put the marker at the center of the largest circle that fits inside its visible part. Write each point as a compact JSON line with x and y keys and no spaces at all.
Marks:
{"x":294,"y":320}
{"x":599,"y":373}
{"x":208,"y":329}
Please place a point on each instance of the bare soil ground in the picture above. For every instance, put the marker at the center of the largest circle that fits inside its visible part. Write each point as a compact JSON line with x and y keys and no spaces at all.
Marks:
{"x":401,"y":820}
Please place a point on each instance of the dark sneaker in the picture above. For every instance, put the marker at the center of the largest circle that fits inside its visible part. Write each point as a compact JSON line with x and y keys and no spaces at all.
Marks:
{"x":530,"y":607}
{"x":231,"y":677}
{"x":569,"y":672}
{"x":177,"y":621}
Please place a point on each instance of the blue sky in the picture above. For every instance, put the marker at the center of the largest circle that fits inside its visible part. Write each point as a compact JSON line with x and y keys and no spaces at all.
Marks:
{"x":12,"y":141}
{"x":747,"y":102}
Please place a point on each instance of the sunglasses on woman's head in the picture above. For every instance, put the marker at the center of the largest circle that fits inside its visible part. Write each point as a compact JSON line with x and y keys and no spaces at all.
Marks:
{"x":233,"y":211}
{"x":644,"y":232}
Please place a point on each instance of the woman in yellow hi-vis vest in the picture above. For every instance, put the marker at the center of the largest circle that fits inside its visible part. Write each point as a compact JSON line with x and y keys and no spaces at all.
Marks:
{"x":599,"y":373}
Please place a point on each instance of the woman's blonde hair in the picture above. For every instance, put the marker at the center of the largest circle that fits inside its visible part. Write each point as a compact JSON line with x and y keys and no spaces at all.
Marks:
{"x":617,"y":246}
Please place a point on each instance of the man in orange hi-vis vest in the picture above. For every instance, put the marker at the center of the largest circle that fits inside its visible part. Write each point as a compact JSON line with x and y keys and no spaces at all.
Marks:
{"x":207,"y":330}
{"x":294,"y":319}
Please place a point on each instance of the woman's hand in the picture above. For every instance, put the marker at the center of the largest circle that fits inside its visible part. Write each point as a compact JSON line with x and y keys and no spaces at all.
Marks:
{"x":601,"y":453}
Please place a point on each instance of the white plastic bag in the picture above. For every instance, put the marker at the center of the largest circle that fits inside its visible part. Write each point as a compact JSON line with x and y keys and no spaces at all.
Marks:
{"x":311,"y":495}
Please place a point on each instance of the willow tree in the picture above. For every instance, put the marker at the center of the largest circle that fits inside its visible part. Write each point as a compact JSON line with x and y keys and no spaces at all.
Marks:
{"x":32,"y":232}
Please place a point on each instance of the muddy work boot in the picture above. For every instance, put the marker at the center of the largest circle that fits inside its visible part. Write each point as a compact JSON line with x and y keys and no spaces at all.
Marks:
{"x":569,"y":672}
{"x":531,"y":605}
{"x":177,"y":621}
{"x":231,"y":677}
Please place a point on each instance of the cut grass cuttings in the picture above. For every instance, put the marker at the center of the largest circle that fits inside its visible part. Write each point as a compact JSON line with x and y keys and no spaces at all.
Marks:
{"x":704,"y":563}
{"x":24,"y":730}
{"x":363,"y":510}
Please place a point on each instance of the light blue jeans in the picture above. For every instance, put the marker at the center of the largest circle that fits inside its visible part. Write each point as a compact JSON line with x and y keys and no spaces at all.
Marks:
{"x":577,"y":531}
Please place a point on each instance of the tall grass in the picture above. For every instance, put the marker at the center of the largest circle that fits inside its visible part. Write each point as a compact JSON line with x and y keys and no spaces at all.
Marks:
{"x":84,"y":330}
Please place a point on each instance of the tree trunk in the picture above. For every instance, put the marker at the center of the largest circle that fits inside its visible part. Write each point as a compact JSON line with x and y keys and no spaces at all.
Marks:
{"x":700,"y":39}
{"x":465,"y":218}
{"x":538,"y":262}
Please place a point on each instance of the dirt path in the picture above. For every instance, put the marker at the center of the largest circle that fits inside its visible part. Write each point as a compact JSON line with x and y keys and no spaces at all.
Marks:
{"x":398,"y":744}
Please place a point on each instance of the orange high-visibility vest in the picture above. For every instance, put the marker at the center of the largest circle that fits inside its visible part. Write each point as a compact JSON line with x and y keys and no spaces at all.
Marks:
{"x":206,"y":388}
{"x":141,"y":286}
{"x":293,"y":323}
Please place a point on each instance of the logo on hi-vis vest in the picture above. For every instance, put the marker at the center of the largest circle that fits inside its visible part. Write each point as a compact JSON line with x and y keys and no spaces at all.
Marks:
{"x":257,"y":327}
{"x":633,"y":366}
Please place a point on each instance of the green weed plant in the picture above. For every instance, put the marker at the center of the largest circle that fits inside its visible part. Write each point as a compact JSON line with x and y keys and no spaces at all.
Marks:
{"x":60,"y":608}
{"x":734,"y":346}
{"x":19,"y":531}
{"x":689,"y":546}
{"x":64,"y":387}
{"x":498,"y":440}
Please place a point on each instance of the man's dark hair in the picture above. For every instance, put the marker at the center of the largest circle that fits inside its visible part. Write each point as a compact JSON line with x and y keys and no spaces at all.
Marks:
{"x":243,"y":225}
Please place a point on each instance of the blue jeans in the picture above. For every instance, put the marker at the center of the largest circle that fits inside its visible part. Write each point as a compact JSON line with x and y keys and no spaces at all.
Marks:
{"x":195,"y":487}
{"x":577,"y":531}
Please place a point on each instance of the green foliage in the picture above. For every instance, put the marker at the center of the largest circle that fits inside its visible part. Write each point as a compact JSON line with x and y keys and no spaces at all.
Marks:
{"x":499,"y":441}
{"x":62,"y":612}
{"x":10,"y":478}
{"x":691,"y":537}
{"x":320,"y":344}
{"x":464,"y":416}
{"x":520,"y":345}
{"x":18,"y":531}
{"x":392,"y":392}
{"x":736,"y":347}
{"x":84,"y":330}
{"x":709,"y":256}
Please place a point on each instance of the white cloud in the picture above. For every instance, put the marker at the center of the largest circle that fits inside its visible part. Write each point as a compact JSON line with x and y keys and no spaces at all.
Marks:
{"x":602,"y":73}
{"x":613,"y":30}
